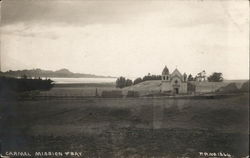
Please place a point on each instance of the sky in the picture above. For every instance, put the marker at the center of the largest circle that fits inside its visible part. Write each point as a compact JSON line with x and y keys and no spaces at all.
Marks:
{"x":126,"y":38}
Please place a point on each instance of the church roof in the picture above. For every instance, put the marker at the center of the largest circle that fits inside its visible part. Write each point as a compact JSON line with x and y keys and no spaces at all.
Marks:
{"x":176,"y":72}
{"x":165,"y":71}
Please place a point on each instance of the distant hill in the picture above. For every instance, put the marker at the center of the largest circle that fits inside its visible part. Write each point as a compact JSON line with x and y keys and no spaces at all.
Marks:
{"x":48,"y":73}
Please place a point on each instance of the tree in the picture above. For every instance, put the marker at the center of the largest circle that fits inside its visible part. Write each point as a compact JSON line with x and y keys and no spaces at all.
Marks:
{"x":137,"y":80}
{"x":185,"y":77}
{"x":128,"y":82}
{"x":201,"y":76}
{"x":190,"y":77}
{"x":121,"y":82}
{"x":215,"y":77}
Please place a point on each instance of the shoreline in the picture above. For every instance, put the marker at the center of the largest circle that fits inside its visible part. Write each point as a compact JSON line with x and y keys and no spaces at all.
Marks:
{"x":74,"y":85}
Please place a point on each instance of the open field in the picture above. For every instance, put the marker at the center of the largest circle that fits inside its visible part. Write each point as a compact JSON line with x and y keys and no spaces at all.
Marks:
{"x":84,"y":90}
{"x":144,"y":88}
{"x":127,"y":127}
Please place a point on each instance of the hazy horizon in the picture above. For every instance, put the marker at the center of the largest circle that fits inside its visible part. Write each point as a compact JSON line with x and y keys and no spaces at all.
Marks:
{"x":129,"y":77}
{"x":126,"y":38}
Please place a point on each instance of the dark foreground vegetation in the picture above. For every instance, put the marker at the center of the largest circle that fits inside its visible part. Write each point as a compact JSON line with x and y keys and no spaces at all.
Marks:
{"x":24,"y":84}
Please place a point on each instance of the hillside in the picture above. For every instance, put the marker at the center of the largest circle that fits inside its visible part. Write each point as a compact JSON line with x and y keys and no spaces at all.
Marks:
{"x":146,"y":87}
{"x":48,"y":73}
{"x":149,"y":87}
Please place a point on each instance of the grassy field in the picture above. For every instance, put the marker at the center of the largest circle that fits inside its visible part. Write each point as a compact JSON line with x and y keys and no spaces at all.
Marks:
{"x":84,"y":90}
{"x":128,"y":127}
{"x":144,"y":88}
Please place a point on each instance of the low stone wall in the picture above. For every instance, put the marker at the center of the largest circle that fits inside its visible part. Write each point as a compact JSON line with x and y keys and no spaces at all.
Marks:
{"x":206,"y":87}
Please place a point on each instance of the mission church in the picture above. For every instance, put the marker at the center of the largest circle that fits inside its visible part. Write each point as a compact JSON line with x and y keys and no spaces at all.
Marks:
{"x":174,"y":83}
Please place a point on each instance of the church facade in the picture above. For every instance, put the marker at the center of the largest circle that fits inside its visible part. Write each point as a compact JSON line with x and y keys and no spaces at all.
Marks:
{"x":173,"y":83}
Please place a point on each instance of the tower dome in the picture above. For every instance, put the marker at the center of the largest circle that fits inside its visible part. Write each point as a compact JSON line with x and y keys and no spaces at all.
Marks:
{"x":165,"y":71}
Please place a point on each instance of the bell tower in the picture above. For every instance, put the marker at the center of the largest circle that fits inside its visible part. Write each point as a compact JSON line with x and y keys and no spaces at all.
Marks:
{"x":165,"y":74}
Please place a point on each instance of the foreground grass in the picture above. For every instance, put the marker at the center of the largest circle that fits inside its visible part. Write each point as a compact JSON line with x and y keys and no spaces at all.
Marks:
{"x":138,"y":142}
{"x":127,"y":127}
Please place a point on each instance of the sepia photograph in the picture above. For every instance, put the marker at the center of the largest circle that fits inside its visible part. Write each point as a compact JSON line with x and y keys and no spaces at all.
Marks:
{"x":124,"y":78}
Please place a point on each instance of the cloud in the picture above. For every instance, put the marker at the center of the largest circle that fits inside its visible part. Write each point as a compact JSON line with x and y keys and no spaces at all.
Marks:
{"x":71,"y":12}
{"x":83,"y":12}
{"x":24,"y":31}
{"x":129,"y":43}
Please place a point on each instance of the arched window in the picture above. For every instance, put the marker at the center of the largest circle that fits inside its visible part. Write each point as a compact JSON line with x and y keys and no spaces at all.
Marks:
{"x":175,"y":81}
